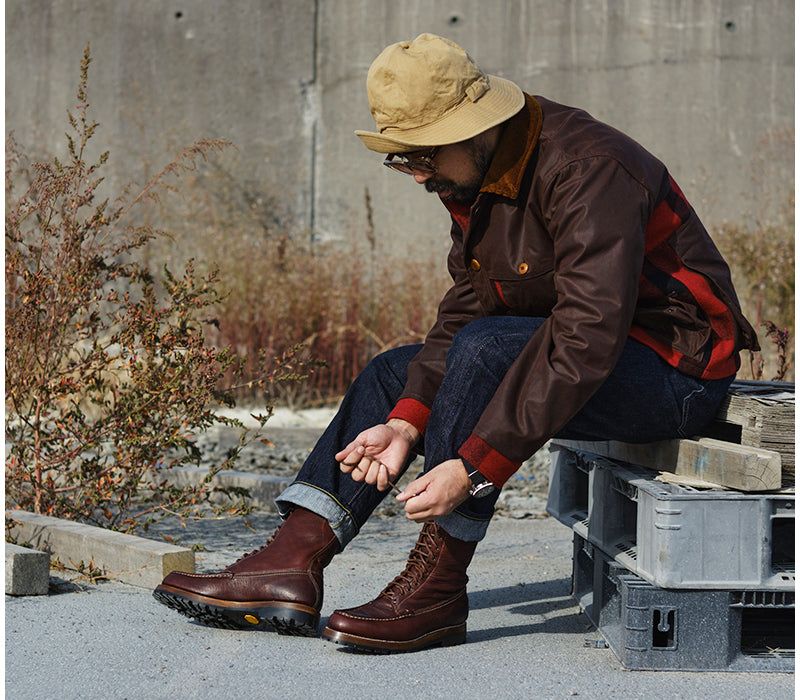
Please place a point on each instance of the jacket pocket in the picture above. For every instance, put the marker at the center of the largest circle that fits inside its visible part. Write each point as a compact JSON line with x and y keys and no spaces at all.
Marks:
{"x":525,"y":295}
{"x":675,"y":323}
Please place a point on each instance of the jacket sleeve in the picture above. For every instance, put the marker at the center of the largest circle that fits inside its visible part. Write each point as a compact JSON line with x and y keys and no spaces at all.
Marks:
{"x":458,"y":307}
{"x":596,"y":214}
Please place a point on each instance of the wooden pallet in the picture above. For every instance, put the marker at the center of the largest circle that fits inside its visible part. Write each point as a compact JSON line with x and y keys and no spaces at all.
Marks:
{"x":703,"y":463}
{"x":759,"y":414}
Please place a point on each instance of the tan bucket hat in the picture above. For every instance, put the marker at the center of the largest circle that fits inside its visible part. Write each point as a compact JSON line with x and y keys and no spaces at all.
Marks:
{"x":429,"y":92}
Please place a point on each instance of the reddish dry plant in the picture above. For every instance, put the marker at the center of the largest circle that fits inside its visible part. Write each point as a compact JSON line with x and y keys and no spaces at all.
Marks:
{"x":762,"y":264}
{"x":109,"y":377}
{"x":780,"y":338}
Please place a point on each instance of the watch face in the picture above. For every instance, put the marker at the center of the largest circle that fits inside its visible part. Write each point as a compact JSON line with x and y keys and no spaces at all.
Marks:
{"x":483,"y":489}
{"x":481,"y":486}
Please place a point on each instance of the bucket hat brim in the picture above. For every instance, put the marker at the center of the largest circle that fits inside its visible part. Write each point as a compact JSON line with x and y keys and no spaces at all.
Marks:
{"x":500,"y":102}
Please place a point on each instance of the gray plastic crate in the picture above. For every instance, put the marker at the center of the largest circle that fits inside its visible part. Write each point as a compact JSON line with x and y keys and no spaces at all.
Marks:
{"x":676,"y":536}
{"x":568,"y":495}
{"x":651,"y":628}
{"x":681,"y":537}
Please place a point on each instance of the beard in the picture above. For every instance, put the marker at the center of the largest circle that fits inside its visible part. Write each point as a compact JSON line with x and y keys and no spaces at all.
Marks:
{"x":465,"y":192}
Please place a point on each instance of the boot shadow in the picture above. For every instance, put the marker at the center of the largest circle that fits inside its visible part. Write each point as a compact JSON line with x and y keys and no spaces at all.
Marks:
{"x":535,"y":601}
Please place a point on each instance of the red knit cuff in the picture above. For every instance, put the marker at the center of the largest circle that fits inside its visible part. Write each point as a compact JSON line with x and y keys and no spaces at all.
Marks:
{"x":413,"y":412}
{"x":488,"y":461}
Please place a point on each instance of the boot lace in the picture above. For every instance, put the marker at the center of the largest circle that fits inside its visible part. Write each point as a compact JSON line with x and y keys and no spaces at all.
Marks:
{"x":420,"y":562}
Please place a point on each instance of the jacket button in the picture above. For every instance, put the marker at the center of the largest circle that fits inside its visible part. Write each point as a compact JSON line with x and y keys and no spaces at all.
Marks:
{"x":475,"y":265}
{"x":523,"y":268}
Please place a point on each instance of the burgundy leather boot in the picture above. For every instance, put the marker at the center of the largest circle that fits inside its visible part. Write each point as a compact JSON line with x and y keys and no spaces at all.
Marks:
{"x":424,"y":606}
{"x":277,"y":586}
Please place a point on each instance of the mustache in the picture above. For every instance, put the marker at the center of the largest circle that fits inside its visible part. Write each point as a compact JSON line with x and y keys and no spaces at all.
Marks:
{"x":434,"y":185}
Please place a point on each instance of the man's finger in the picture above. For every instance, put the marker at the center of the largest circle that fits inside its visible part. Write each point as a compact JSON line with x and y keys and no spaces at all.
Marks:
{"x":418,"y":511}
{"x":383,"y":477}
{"x":350,"y":456}
{"x":414,"y":489}
{"x":344,"y":452}
{"x":410,"y":492}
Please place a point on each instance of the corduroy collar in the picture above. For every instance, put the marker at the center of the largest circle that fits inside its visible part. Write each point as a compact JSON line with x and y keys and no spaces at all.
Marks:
{"x":509,"y":162}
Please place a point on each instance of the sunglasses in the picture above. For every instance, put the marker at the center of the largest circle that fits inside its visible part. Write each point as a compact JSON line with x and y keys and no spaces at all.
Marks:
{"x":409,"y":163}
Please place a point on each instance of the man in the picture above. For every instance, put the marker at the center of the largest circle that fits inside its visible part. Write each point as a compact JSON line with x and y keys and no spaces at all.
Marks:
{"x":588,"y":302}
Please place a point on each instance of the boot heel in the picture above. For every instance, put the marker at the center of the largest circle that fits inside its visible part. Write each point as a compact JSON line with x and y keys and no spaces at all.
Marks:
{"x":455,"y":636}
{"x":293,"y":623}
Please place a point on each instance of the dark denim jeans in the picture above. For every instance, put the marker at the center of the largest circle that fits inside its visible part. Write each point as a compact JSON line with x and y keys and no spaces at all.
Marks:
{"x":643,"y":400}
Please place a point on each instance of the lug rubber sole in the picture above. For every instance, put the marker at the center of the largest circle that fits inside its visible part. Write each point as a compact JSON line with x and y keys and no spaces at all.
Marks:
{"x":445,"y":637}
{"x":285,"y":618}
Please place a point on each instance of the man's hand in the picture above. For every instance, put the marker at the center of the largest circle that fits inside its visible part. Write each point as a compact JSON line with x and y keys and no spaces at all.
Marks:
{"x":378,"y":454}
{"x":437,"y":492}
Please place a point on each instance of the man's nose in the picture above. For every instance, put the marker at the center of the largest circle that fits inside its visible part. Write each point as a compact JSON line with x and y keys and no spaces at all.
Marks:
{"x":421,"y":177}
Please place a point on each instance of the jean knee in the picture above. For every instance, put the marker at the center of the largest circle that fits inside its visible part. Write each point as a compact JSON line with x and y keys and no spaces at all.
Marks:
{"x":391,"y":363}
{"x":470,"y":342}
{"x":492,"y":336}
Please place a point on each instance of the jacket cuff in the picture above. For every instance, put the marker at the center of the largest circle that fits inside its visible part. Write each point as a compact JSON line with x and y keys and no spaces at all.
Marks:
{"x":413,"y":412}
{"x":488,"y":461}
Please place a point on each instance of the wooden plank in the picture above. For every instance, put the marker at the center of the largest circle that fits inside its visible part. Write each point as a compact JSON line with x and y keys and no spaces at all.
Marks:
{"x":712,"y":461}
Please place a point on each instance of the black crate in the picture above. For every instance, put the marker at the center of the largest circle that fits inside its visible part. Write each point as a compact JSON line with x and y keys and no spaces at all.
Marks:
{"x":658,"y":629}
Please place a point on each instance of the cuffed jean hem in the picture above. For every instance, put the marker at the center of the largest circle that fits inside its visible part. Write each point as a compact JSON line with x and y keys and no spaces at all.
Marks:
{"x":462,"y":527}
{"x":323,"y":504}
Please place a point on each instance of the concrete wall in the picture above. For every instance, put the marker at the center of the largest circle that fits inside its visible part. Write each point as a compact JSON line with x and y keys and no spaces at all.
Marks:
{"x":698,"y":82}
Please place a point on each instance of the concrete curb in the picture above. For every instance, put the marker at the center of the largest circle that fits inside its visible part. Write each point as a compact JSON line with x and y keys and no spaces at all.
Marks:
{"x":134,"y":560}
{"x":27,"y":571}
{"x":263,"y":488}
{"x":127,"y":558}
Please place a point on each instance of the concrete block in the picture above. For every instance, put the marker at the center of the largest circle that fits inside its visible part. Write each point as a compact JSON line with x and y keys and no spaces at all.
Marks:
{"x":27,"y":571}
{"x":263,"y":488}
{"x":127,"y":558}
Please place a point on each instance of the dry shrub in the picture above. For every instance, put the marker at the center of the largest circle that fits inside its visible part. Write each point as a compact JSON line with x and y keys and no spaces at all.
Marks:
{"x":109,"y":377}
{"x":342,"y":303}
{"x":341,"y":307}
{"x":760,"y":251}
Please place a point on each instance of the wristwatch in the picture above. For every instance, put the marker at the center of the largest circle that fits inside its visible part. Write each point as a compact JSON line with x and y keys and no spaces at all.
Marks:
{"x":481,"y":486}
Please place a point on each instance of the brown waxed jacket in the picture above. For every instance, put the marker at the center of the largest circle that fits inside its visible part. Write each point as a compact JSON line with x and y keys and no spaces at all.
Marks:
{"x":577,"y":223}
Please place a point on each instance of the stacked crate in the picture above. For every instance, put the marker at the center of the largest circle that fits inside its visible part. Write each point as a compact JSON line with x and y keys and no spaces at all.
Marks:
{"x":676,"y":572}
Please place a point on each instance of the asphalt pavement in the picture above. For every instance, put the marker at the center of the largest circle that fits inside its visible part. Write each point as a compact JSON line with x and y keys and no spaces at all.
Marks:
{"x":526,"y":637}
